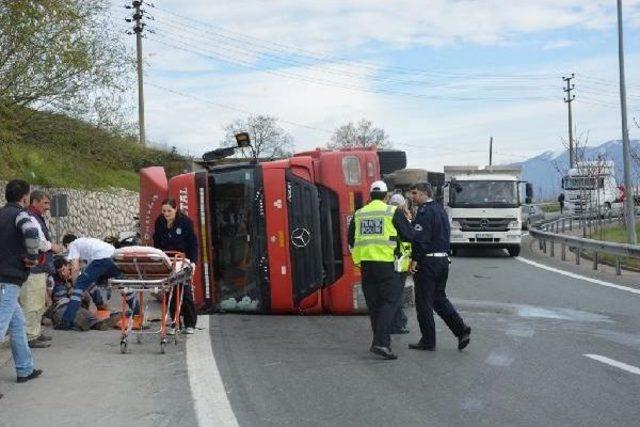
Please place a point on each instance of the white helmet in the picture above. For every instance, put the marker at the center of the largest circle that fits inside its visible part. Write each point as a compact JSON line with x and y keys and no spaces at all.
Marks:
{"x":379,"y":186}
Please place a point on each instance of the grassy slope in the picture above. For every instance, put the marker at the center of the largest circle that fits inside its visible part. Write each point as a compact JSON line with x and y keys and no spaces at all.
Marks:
{"x":55,"y":150}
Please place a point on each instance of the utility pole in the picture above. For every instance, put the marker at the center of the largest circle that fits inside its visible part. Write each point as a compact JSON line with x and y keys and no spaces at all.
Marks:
{"x":138,"y":28}
{"x":629,"y":196}
{"x":570,"y":97}
{"x":490,"y":151}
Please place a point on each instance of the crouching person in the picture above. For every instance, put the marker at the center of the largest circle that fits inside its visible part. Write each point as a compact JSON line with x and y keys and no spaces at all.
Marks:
{"x":97,"y":255}
{"x":62,"y":290}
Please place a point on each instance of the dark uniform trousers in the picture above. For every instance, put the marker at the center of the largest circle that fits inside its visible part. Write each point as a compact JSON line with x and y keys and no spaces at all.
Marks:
{"x":187,"y":308}
{"x":382,"y":287}
{"x":430,"y":282}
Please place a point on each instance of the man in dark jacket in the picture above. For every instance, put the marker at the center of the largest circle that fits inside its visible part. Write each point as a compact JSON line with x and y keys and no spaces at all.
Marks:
{"x":430,"y":267}
{"x":18,"y":252}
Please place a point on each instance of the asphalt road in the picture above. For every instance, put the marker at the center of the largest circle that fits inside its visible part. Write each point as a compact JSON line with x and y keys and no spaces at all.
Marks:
{"x":526,"y":365}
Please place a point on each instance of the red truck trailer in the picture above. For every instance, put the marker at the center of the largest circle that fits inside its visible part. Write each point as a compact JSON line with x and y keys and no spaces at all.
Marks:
{"x":272,"y":235}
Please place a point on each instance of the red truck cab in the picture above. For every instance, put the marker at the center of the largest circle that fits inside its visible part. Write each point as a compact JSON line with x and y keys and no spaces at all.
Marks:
{"x":273,"y":235}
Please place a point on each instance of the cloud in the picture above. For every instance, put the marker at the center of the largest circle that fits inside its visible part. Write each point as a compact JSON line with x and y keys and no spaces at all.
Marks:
{"x":434,"y":131}
{"x":558,"y":44}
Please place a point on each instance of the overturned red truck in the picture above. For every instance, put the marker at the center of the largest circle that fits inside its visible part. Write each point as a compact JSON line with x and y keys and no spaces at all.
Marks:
{"x":273,"y":235}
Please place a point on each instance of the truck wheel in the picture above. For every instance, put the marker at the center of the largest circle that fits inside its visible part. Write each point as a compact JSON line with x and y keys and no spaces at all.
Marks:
{"x":391,"y":161}
{"x":514,"y":250}
{"x":406,"y":177}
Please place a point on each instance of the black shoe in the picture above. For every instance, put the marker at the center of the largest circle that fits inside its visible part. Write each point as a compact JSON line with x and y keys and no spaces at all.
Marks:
{"x":383,"y":351}
{"x":34,"y":374}
{"x":35,"y":343}
{"x":420,"y":346}
{"x":463,"y":340}
{"x":402,"y":331}
{"x":44,"y":338}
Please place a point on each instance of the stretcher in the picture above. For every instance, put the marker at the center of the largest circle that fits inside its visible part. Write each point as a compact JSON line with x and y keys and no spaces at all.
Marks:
{"x":149,"y":270}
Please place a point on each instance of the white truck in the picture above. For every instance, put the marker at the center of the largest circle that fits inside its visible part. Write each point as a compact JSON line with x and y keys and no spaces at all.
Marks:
{"x":591,"y":185}
{"x":483,"y":204}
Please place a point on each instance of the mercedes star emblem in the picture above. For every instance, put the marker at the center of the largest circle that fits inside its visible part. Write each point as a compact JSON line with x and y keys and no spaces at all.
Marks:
{"x":300,"y":237}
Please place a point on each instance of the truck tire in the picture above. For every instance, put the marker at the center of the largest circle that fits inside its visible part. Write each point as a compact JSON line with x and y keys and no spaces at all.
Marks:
{"x":513,"y":251}
{"x":391,"y":161}
{"x":406,"y":177}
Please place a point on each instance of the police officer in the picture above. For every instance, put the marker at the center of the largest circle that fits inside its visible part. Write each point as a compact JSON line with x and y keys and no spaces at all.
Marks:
{"x":373,"y":237}
{"x":430,"y":266}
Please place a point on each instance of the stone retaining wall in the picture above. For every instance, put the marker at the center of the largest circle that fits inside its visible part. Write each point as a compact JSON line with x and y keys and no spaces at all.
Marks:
{"x":92,"y":213}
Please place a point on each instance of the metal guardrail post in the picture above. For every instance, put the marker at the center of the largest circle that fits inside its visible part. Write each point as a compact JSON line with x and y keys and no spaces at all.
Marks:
{"x":595,"y":260}
{"x":563,"y":252}
{"x":618,"y":267}
{"x":544,"y":246}
{"x":540,"y":244}
{"x":577,"y":256}
{"x":552,"y":252}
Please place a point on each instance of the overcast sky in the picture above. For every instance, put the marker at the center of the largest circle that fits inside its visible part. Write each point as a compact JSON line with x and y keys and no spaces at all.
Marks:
{"x":440,"y":76}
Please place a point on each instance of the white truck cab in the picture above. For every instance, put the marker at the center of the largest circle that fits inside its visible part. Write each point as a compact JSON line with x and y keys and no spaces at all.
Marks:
{"x":591,"y":185}
{"x":483,"y":205}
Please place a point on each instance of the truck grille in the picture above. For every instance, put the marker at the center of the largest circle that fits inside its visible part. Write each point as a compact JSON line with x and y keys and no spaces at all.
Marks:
{"x":484,"y":224}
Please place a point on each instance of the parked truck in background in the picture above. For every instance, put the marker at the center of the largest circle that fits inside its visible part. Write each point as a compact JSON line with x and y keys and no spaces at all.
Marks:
{"x":591,"y":186}
{"x":483,"y":205}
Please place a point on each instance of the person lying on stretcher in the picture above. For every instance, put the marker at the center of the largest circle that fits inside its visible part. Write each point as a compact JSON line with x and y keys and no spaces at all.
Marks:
{"x":62,"y":289}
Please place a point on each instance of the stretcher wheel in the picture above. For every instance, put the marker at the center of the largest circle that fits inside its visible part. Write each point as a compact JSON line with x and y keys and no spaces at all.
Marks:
{"x":163,"y":345}
{"x":123,"y":347}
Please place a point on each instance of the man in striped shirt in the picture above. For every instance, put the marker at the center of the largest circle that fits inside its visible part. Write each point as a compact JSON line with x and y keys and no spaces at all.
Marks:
{"x":19,"y":243}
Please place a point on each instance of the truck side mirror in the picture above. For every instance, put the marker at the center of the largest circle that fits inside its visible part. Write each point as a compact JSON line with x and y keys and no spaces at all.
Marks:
{"x":528,"y":188}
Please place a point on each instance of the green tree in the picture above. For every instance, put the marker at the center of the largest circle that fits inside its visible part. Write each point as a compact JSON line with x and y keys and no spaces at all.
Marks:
{"x":268,"y":139}
{"x":362,"y":134}
{"x":61,"y":55}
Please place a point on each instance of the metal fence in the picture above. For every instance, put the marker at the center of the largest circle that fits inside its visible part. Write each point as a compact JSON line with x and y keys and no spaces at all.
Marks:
{"x":552,"y":233}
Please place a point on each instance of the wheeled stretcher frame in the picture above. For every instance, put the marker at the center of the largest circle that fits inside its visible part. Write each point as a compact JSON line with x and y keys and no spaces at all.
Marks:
{"x":149,"y":270}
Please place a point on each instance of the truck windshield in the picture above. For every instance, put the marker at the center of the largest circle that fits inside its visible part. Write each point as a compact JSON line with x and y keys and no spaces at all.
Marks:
{"x":483,"y":194}
{"x":580,"y":182}
{"x":234,"y":218}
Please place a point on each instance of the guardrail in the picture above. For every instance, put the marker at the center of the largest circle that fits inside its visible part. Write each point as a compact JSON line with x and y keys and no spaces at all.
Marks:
{"x":549,"y":235}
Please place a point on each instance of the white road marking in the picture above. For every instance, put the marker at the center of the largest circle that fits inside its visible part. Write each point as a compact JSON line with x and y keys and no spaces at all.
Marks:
{"x":614,"y":363}
{"x":580,"y":277}
{"x":209,"y":396}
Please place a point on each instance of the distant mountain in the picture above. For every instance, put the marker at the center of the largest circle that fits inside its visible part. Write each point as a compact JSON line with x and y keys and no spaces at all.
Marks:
{"x":545,"y":170}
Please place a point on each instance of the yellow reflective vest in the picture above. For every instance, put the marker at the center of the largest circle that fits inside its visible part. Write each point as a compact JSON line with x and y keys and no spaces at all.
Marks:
{"x":405,"y":256}
{"x":375,"y":236}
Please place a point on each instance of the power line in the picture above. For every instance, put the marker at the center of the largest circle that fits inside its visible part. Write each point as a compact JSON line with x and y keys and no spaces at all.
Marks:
{"x":232,"y":107}
{"x":204,"y":52}
{"x":291,"y":50}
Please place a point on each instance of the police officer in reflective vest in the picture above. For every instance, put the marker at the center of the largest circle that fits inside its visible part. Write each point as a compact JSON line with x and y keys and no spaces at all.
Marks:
{"x":430,"y":267}
{"x":373,"y":237}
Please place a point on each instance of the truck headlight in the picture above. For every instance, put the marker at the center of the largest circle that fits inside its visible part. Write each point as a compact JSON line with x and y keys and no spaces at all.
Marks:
{"x":514,"y":224}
